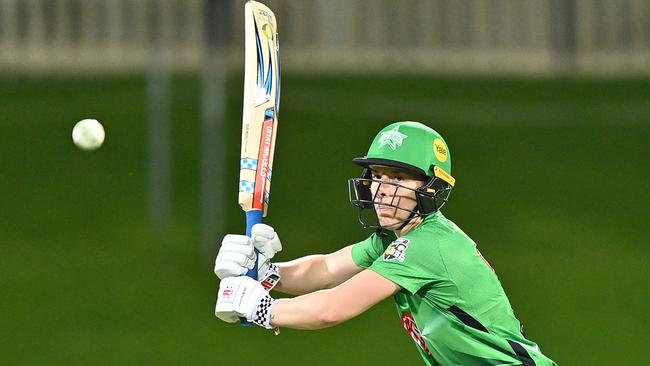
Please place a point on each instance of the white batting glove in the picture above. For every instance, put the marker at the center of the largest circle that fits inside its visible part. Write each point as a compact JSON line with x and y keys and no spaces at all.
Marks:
{"x":236,"y":255}
{"x":265,"y":240}
{"x":244,"y":297}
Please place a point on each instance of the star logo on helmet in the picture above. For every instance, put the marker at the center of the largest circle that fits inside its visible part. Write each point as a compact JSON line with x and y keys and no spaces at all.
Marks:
{"x":392,"y":138}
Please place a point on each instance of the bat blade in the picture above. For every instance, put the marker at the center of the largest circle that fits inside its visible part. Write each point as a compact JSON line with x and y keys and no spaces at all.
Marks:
{"x":260,"y":112}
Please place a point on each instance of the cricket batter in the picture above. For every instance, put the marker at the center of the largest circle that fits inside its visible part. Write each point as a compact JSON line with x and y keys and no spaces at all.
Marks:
{"x":448,"y":297}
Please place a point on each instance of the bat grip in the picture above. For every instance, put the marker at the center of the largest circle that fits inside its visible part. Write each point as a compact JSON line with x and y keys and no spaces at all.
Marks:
{"x":252,"y":217}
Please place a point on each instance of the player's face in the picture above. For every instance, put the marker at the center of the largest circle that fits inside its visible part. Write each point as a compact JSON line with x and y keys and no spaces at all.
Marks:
{"x":385,"y":189}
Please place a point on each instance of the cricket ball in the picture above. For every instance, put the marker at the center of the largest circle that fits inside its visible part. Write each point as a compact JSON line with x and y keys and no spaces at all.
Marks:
{"x":88,"y":134}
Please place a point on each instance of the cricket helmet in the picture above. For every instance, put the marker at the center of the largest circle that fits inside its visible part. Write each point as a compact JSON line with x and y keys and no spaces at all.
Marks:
{"x":412,"y":147}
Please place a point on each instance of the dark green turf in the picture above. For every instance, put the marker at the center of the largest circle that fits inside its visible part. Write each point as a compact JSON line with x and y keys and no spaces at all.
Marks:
{"x":552,"y":180}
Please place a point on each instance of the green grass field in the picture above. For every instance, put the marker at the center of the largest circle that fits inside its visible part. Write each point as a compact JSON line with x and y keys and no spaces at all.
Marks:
{"x":552,"y":179}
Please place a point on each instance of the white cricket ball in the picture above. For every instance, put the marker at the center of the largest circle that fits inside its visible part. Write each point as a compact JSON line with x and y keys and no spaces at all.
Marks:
{"x":88,"y":134}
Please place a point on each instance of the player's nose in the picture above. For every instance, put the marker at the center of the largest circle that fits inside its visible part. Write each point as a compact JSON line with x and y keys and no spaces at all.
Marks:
{"x":384,"y":189}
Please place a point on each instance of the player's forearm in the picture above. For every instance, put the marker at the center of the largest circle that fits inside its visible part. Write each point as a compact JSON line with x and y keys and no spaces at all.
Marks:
{"x":304,"y":275}
{"x":316,"y":310}
{"x":326,"y":308}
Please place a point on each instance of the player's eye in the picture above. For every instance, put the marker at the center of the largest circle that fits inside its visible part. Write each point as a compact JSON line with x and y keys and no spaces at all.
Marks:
{"x":376,"y":176}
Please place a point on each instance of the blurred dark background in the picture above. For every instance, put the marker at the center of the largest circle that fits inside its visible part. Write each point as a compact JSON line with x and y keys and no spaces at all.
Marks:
{"x":106,"y":256}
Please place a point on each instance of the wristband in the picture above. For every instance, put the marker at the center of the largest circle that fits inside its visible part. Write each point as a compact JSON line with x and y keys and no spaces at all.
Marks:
{"x":271,"y":277}
{"x":262,"y":316}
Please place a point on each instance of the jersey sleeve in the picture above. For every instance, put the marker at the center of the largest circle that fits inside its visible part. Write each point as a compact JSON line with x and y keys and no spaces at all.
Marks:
{"x":365,"y":252}
{"x":412,"y":263}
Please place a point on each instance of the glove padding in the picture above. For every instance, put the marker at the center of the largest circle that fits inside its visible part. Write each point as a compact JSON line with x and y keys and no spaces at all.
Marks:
{"x":244,"y":297}
{"x":237,"y":256}
{"x":265,"y":240}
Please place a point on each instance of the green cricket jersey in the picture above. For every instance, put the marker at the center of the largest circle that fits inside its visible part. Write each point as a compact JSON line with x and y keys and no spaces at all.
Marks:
{"x":451,"y":302}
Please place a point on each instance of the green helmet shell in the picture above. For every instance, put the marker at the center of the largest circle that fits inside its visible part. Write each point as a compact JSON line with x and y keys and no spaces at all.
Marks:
{"x":410,"y":146}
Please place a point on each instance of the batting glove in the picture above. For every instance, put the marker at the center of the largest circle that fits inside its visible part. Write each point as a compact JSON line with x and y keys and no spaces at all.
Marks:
{"x":237,"y":256}
{"x":244,"y":297}
{"x":265,"y":240}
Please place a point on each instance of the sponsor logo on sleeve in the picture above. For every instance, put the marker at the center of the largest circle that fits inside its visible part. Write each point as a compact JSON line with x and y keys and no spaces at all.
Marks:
{"x":396,"y":250}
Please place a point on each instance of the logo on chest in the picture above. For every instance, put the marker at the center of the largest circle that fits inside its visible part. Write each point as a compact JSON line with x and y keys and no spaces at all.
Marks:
{"x":412,"y":329}
{"x":396,"y":250}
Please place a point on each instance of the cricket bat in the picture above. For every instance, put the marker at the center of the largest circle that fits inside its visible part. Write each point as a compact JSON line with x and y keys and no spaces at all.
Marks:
{"x":260,"y":114}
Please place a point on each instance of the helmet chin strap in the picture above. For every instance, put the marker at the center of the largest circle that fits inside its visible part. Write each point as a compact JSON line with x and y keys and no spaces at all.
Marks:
{"x":408,"y":220}
{"x":381,"y":231}
{"x":415,"y":213}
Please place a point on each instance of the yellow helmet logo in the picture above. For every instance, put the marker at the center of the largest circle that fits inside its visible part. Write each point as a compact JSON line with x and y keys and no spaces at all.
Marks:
{"x":440,"y":149}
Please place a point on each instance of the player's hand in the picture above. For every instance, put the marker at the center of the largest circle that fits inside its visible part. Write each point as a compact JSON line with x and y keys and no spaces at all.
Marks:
{"x":265,"y":240}
{"x":244,"y":297}
{"x":236,"y":255}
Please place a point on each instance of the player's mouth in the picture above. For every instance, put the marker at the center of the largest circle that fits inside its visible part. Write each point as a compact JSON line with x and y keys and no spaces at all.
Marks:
{"x":384,"y":209}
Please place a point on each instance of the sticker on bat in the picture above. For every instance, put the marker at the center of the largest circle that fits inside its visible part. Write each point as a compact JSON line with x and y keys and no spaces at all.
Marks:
{"x":264,"y":159}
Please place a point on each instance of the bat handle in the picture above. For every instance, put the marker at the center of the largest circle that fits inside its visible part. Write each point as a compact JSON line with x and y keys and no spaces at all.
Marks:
{"x":252,"y":217}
